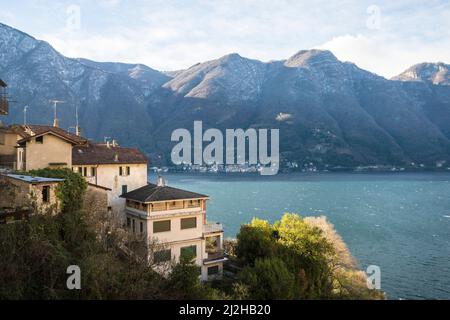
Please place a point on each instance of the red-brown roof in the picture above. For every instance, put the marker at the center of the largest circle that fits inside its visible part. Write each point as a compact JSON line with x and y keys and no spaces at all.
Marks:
{"x":15,"y":129}
{"x":39,"y":130}
{"x":92,"y":154}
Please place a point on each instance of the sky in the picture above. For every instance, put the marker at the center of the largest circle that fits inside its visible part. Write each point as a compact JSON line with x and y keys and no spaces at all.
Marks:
{"x":384,"y":37}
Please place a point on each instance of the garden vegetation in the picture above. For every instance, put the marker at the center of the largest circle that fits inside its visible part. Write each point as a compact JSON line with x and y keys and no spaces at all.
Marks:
{"x":294,"y":258}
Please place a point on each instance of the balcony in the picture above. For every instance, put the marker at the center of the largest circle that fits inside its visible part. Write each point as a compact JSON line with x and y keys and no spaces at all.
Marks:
{"x":175,"y":211}
{"x":217,"y":255}
{"x":212,"y":228}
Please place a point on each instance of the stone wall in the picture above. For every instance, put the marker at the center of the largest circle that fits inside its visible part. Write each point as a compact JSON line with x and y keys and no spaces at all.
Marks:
{"x":17,"y":194}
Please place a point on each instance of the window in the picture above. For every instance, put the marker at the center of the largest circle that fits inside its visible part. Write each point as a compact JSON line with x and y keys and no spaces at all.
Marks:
{"x":188,"y":223}
{"x":161,"y":226}
{"x":80,"y":170}
{"x":190,"y":251}
{"x":162,"y":256}
{"x":213,"y":270}
{"x":120,"y":171}
{"x":93,"y":172}
{"x":128,"y":222}
{"x":128,"y":171}
{"x":85,"y":171}
{"x":40,"y":140}
{"x":45,"y":194}
{"x":141,"y":227}
{"x":124,"y":189}
{"x":134,"y":226}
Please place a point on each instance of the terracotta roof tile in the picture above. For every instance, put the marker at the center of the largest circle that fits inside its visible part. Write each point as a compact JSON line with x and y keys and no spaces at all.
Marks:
{"x":91,"y":154}
{"x":38,"y":130}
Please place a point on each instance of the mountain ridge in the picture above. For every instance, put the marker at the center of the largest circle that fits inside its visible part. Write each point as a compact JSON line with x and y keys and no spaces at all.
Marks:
{"x":330,"y":113}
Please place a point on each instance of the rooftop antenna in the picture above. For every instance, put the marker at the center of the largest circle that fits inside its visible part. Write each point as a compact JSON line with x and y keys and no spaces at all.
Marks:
{"x":76,"y":114}
{"x":55,"y":104}
{"x":25,"y":109}
{"x":77,"y":128}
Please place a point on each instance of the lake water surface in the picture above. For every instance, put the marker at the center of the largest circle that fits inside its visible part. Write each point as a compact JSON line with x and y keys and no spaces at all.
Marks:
{"x":398,"y":221}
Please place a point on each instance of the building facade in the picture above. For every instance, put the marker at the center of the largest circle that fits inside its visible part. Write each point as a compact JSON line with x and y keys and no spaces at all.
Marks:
{"x":8,"y":145}
{"x":117,"y":168}
{"x":173,"y":223}
{"x":46,"y":147}
{"x":37,"y":194}
{"x":106,"y":165}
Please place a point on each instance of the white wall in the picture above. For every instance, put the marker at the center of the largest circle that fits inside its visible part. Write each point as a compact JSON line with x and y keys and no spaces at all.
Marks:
{"x":52,"y":150}
{"x":108,"y":176}
{"x":176,"y":233}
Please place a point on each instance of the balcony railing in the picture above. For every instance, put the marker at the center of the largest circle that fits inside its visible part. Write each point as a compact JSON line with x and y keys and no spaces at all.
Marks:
{"x":212,"y":228}
{"x":215,"y":255}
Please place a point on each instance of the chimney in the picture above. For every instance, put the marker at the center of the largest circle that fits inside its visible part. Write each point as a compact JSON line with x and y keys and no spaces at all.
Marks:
{"x":114,"y":143}
{"x":107,"y":144}
{"x":56,"y":123}
{"x":160,"y":182}
{"x":78,"y":131}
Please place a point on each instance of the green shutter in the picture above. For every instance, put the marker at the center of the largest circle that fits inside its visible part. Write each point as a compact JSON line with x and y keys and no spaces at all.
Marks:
{"x":190,"y":251}
{"x":188,"y":223}
{"x":162,"y":256}
{"x":161,"y":226}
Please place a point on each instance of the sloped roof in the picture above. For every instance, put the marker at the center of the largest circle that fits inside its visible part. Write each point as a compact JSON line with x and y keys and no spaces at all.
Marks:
{"x":91,"y":154}
{"x":31,"y":179}
{"x":15,"y":129}
{"x":39,"y":130}
{"x":97,"y":186}
{"x":154,"y":193}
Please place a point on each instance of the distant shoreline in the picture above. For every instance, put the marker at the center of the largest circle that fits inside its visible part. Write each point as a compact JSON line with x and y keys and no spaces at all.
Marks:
{"x":288,"y":172}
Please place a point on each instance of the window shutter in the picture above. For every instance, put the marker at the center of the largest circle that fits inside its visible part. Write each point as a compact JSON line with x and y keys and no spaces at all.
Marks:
{"x":188,"y":223}
{"x":161,"y":226}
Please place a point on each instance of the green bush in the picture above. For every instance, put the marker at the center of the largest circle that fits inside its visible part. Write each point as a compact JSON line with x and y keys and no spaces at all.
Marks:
{"x":71,"y":191}
{"x":269,"y":279}
{"x":319,"y":262}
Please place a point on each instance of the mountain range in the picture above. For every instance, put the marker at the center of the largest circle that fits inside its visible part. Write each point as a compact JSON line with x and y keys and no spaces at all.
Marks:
{"x":330,"y":113}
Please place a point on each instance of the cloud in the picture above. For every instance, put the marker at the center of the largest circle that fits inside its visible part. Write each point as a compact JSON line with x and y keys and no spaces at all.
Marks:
{"x":386,"y":55}
{"x":109,"y":3}
{"x":170,"y":35}
{"x":7,"y":16}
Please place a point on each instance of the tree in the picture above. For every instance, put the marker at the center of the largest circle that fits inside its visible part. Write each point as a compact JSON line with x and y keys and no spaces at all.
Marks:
{"x":269,"y":279}
{"x":35,"y":254}
{"x":70,"y":191}
{"x":309,"y":249}
{"x":255,"y":240}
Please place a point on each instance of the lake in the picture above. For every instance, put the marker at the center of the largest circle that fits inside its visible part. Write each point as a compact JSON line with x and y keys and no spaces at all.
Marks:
{"x":397,"y":221}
